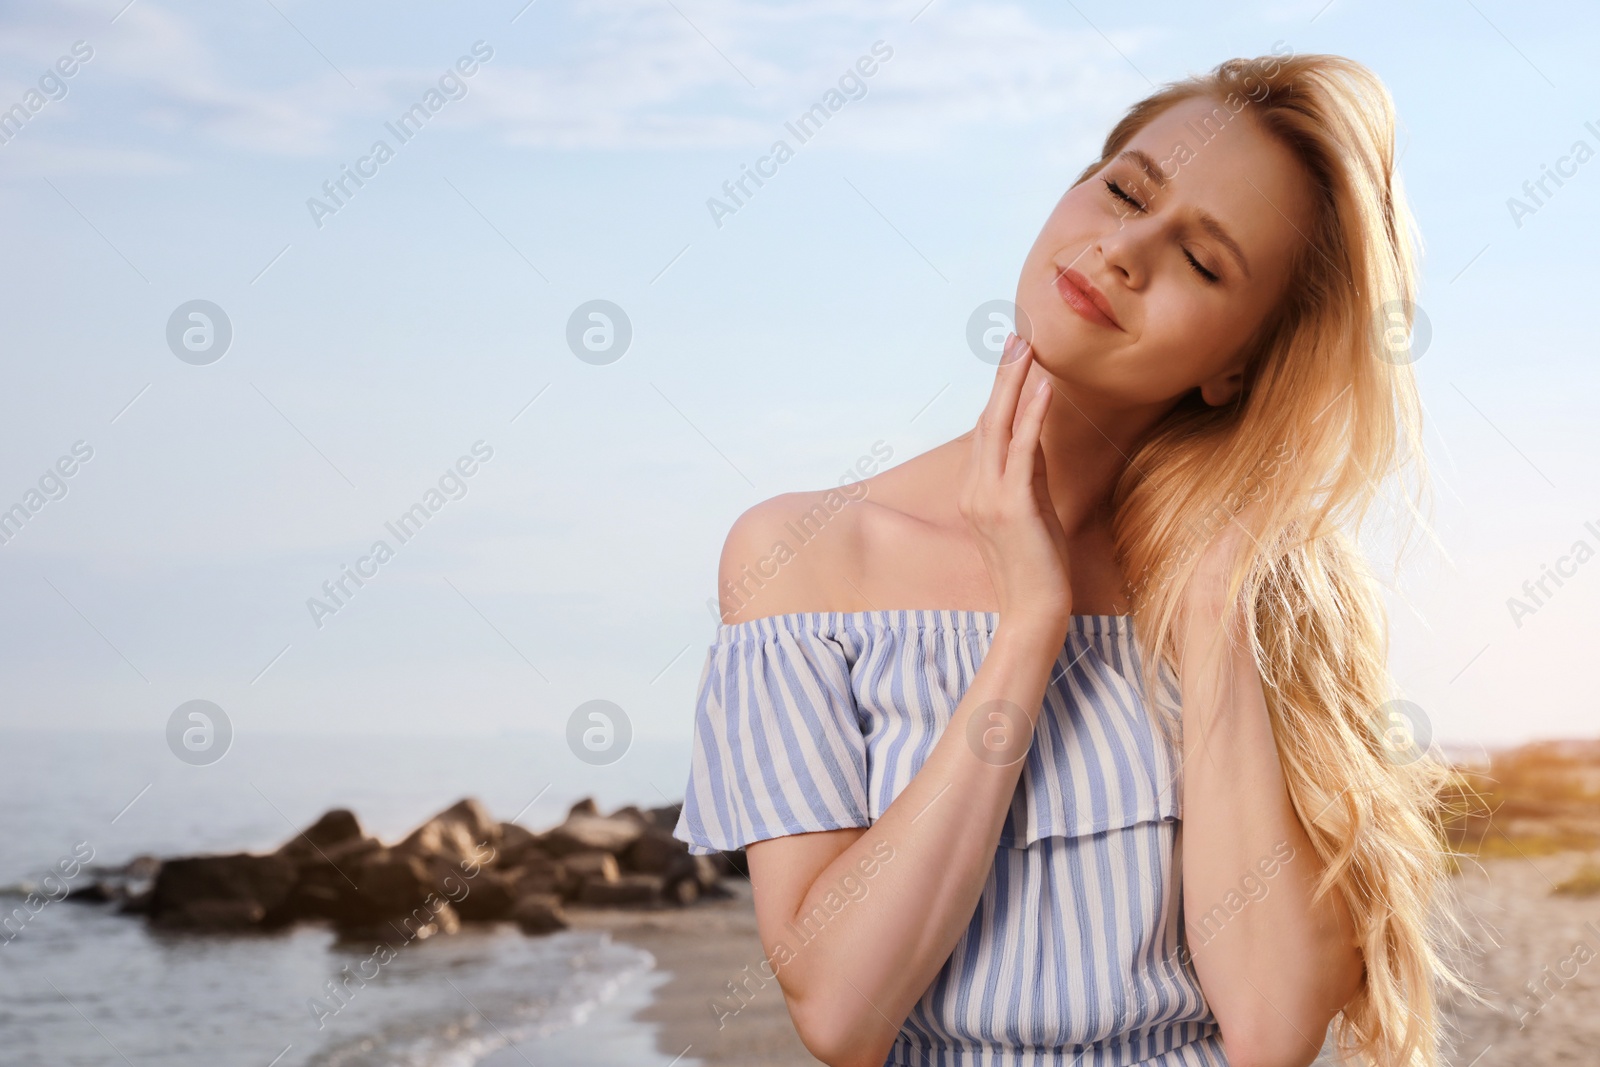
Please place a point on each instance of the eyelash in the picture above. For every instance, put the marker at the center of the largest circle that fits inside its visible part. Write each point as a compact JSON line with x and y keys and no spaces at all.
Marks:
{"x":1116,"y":191}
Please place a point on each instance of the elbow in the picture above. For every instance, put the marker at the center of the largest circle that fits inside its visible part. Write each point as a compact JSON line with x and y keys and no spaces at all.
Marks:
{"x":835,"y":1036}
{"x":1273,"y":1043}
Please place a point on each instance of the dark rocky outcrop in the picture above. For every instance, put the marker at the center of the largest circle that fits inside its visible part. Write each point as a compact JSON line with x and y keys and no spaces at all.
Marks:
{"x":459,"y":866}
{"x":584,"y":832}
{"x":232,"y":892}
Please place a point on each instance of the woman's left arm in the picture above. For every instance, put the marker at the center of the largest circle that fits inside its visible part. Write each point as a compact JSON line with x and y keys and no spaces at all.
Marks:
{"x":1274,"y":968}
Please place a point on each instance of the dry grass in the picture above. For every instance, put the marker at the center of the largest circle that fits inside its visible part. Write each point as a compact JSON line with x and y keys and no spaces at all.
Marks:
{"x":1585,"y":882}
{"x":1535,"y":800}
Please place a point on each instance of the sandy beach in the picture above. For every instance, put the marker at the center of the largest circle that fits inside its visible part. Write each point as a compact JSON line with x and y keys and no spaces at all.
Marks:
{"x":701,"y":949}
{"x":1520,"y":926}
{"x":1537,"y":963}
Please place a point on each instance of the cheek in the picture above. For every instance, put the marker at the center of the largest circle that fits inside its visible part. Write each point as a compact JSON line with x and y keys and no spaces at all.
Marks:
{"x":1201,"y":330}
{"x":1185,"y":341}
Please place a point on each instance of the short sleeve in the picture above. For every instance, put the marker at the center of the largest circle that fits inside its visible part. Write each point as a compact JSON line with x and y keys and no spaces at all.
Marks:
{"x":778,"y":747}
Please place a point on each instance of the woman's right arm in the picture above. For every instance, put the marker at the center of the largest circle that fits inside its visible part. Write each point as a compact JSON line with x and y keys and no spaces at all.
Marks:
{"x":851,"y":975}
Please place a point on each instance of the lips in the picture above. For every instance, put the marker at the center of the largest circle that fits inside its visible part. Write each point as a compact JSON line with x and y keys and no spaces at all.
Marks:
{"x":1081,"y":296}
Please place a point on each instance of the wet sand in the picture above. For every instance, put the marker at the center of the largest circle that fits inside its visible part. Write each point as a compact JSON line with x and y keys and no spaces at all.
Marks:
{"x":701,"y":949}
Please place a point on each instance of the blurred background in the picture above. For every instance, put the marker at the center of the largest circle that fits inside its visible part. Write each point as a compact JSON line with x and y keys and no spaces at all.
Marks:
{"x":545,"y":347}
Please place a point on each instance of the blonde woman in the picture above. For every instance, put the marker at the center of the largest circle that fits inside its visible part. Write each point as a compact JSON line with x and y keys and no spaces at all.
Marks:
{"x":1056,"y":748}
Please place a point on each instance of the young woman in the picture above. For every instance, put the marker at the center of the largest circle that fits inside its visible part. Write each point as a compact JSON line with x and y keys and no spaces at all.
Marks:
{"x":1056,"y":746}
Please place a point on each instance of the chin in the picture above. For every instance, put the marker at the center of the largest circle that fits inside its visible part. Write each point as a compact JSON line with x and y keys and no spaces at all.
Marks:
{"x":1061,"y":340}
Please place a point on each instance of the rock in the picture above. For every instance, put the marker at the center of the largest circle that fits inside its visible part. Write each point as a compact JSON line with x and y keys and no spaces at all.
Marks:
{"x":682,"y":891}
{"x":655,"y":852}
{"x":459,"y":865}
{"x":590,"y":867}
{"x":461,"y":831}
{"x":689,"y":878}
{"x":142,"y":868}
{"x":666,"y":817}
{"x":706,"y":871}
{"x":537,"y":874}
{"x":420,"y":924}
{"x":539,"y":913}
{"x":634,"y":815}
{"x":326,"y":884}
{"x":517,"y":843}
{"x":388,"y":884}
{"x":630,"y":890}
{"x":397,"y":895}
{"x":95,"y":893}
{"x":731,"y":864}
{"x":519,"y":847}
{"x":117,"y":884}
{"x":583,"y":833}
{"x":136,"y":903}
{"x":487,"y":898}
{"x":716,"y":891}
{"x":336,"y":827}
{"x":221,"y":892}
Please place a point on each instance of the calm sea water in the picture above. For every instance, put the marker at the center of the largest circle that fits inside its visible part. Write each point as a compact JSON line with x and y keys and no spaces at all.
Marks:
{"x":82,"y":986}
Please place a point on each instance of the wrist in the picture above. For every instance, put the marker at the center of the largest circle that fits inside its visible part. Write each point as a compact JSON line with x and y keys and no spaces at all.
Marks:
{"x":1043,"y":633}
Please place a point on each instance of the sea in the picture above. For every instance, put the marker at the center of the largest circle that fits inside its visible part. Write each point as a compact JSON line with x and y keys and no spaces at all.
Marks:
{"x":81,"y":985}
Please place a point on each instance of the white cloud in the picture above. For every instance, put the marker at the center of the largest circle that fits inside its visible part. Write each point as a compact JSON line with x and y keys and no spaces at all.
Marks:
{"x":627,"y":74}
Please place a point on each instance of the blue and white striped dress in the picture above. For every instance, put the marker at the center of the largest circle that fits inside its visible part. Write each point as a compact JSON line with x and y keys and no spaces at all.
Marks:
{"x":1075,"y":954}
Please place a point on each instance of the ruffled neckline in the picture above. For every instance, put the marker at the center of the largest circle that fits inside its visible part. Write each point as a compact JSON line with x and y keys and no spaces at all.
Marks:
{"x":910,"y":618}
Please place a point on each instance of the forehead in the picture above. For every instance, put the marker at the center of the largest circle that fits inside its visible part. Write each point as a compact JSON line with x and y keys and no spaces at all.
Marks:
{"x":1223,"y":162}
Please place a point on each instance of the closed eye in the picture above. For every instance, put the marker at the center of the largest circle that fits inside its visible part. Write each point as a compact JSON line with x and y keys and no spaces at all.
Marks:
{"x":1195,"y":263}
{"x":1117,"y":191}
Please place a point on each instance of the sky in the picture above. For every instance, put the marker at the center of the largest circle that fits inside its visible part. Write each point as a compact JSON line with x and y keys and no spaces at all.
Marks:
{"x":418,"y":336}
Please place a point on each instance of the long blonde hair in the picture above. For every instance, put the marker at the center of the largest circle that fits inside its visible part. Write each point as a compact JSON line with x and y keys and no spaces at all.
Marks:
{"x":1328,"y":413}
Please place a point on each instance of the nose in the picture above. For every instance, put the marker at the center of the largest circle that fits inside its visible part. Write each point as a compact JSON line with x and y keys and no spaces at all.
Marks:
{"x":1123,"y":251}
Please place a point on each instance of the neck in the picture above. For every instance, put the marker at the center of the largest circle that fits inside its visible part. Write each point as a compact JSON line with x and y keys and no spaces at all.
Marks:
{"x":1087,"y":445}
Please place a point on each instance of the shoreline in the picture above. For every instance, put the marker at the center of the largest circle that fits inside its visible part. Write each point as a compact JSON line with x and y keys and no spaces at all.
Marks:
{"x":698,"y":951}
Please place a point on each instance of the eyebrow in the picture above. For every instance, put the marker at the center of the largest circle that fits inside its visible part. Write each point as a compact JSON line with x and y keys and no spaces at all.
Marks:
{"x":1208,"y":222}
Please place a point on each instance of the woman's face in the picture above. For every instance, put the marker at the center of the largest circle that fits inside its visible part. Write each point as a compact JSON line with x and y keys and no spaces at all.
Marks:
{"x":1190,"y":256}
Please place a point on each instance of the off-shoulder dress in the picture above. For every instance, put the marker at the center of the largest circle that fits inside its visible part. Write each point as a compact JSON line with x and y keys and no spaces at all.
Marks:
{"x":1075,"y":955}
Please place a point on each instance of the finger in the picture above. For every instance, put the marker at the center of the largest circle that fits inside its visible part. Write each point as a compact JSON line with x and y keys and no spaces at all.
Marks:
{"x":1022,"y":460}
{"x":1041,"y":493}
{"x":1006,"y":359}
{"x":1001,"y":411}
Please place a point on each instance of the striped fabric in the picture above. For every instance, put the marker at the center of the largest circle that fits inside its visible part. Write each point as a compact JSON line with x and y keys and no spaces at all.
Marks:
{"x":1073,"y":958}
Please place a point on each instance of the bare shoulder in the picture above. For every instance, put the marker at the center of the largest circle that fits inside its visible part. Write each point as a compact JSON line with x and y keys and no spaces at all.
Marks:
{"x":790,"y":553}
{"x":829,"y":549}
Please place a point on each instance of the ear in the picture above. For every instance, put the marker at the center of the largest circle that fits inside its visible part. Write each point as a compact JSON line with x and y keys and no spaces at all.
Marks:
{"x":1223,"y":389}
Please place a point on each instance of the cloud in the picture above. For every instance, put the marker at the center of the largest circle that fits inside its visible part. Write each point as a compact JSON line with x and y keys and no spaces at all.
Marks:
{"x":610,"y":75}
